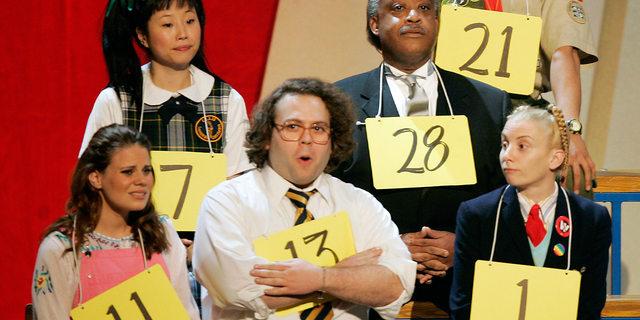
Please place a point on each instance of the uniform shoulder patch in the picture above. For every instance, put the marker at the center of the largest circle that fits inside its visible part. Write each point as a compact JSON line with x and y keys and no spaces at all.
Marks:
{"x":575,"y":9}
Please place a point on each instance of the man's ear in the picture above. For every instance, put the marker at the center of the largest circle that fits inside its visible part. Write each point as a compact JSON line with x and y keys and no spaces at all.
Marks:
{"x":142,"y":38}
{"x":373,"y":26}
{"x":95,"y":178}
{"x":557,"y":159}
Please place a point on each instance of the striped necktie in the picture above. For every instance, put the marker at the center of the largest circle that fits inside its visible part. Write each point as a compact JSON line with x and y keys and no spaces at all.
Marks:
{"x":300,"y":199}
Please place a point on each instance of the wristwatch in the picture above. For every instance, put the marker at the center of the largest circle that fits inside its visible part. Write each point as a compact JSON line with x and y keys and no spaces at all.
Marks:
{"x":574,"y":126}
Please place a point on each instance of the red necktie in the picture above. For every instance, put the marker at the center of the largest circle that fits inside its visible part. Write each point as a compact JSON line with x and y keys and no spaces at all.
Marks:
{"x":493,"y":5}
{"x":535,"y":226}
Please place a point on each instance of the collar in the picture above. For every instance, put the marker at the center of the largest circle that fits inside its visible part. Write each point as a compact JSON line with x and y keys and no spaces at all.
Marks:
{"x":547,"y":205}
{"x":277,"y":186}
{"x":200,"y":88}
{"x":425,"y":71}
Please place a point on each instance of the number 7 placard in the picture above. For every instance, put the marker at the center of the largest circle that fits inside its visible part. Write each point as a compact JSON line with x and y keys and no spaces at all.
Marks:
{"x":497,"y":48}
{"x":182,"y":181}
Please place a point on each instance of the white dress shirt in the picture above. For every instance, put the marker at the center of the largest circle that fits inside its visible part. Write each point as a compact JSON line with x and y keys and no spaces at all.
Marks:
{"x":426,"y":78}
{"x":238,"y":211}
{"x":107,"y":110}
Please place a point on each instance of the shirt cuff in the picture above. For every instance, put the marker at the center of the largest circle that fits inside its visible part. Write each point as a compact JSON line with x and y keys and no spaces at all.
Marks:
{"x":262,"y":310}
{"x":390,"y":311}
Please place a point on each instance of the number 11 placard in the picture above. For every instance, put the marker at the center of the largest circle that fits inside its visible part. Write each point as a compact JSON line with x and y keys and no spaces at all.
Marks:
{"x":497,"y":48}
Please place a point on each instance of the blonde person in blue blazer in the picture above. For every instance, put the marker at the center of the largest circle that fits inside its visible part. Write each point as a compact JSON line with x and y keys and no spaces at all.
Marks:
{"x":533,"y":227}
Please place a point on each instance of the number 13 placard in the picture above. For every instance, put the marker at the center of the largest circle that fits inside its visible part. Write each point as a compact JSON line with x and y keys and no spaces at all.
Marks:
{"x":497,"y":48}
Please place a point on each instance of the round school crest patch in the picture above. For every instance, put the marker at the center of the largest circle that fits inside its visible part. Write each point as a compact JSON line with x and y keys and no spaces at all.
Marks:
{"x":559,"y":250}
{"x":215,"y":126}
{"x":563,"y":227}
{"x":576,"y":12}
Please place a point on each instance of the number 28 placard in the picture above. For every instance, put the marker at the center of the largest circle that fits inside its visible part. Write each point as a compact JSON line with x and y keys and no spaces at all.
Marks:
{"x":420,"y":151}
{"x":497,"y":48}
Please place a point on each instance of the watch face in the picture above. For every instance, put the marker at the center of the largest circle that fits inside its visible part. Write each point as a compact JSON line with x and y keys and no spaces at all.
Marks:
{"x":575,"y":126}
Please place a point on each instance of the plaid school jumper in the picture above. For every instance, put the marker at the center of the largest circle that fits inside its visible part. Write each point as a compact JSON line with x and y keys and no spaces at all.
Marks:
{"x":180,"y":134}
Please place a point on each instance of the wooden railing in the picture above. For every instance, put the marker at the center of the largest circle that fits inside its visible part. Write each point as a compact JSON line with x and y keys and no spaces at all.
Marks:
{"x":617,"y":307}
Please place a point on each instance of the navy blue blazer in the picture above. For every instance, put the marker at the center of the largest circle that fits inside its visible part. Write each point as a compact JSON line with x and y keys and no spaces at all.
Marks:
{"x":411,"y":208}
{"x":474,"y":236}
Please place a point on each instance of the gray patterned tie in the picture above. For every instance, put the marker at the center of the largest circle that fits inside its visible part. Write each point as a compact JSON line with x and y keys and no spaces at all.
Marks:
{"x":417,"y":101}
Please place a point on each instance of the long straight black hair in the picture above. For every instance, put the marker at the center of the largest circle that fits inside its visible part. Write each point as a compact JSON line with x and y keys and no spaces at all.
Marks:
{"x":122,"y":19}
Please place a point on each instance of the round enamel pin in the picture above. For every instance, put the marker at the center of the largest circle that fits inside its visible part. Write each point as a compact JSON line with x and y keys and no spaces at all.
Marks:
{"x":215,"y":126}
{"x":563,"y":226}
{"x":558,"y":249}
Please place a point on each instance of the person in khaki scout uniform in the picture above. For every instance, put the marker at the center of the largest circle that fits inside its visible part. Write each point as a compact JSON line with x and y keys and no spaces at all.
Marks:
{"x":566,"y":43}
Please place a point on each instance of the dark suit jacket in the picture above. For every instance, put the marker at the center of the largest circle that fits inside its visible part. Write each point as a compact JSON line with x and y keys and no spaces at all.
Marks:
{"x":411,"y":208}
{"x":474,"y":236}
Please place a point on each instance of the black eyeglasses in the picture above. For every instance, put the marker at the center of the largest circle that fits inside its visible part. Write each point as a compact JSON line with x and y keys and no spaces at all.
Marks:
{"x":293,"y":131}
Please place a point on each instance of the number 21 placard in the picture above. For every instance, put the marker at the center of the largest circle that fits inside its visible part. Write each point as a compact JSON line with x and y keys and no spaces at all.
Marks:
{"x":497,"y":48}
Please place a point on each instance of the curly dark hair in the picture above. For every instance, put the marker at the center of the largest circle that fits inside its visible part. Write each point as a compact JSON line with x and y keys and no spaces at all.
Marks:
{"x":338,"y":103}
{"x":85,"y":203}
{"x":373,"y":9}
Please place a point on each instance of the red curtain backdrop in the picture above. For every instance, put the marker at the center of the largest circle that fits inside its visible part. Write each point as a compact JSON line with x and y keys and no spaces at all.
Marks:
{"x":52,"y":71}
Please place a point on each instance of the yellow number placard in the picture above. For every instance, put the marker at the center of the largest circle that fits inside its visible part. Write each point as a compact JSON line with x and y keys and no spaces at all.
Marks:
{"x":513,"y":291}
{"x":497,"y":48}
{"x":323,"y":242}
{"x":420,"y":151}
{"x":147,"y":295}
{"x":182,"y":181}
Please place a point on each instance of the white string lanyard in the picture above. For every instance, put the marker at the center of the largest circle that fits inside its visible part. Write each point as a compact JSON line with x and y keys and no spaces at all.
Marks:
{"x":204,"y":115}
{"x":495,"y":230}
{"x":76,"y":260}
{"x":382,"y":76}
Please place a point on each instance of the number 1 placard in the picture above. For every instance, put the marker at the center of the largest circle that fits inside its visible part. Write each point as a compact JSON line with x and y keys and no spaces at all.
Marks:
{"x":411,"y":152}
{"x":512,"y":291}
{"x":182,"y":181}
{"x":497,"y":48}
